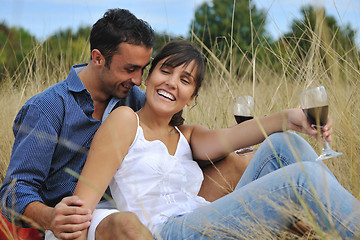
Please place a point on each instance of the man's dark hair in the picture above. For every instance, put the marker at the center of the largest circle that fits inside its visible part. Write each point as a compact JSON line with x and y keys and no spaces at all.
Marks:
{"x":117,"y":26}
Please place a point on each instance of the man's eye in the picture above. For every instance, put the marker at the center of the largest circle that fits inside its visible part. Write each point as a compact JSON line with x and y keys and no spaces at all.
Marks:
{"x":130,"y":70}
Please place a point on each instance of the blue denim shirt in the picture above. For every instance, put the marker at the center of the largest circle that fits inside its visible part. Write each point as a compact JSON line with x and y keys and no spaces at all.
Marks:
{"x":53,"y":131}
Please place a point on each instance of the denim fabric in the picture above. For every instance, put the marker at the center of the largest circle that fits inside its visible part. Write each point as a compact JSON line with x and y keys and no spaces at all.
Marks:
{"x":282,"y":171}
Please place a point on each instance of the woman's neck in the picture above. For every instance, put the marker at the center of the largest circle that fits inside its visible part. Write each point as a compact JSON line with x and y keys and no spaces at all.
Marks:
{"x":154,"y":121}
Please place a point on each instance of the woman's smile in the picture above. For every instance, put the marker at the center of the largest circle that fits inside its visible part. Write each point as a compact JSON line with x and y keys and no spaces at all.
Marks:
{"x":166,"y":95}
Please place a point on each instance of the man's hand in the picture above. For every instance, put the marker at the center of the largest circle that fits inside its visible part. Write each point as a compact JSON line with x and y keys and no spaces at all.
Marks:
{"x":68,"y":219}
{"x":122,"y":226}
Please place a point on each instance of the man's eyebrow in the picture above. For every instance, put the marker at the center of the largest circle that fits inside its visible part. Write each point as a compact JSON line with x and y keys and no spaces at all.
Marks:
{"x":136,"y":66}
{"x":132,"y":66}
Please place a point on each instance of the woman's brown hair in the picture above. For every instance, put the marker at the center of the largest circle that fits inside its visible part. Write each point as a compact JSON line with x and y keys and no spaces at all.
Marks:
{"x":181,"y":52}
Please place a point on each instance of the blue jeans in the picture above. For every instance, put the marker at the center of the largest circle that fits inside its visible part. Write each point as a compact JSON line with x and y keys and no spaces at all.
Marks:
{"x":281,"y":177}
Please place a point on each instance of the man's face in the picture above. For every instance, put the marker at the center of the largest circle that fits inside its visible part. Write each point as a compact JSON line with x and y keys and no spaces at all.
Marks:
{"x":125,"y":69}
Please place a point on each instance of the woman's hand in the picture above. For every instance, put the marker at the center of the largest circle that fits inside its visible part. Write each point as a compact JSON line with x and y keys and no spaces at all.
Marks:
{"x":297,"y":121}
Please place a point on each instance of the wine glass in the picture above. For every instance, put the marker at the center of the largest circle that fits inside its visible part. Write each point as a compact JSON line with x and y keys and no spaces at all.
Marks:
{"x":243,"y":108}
{"x":315,"y":105}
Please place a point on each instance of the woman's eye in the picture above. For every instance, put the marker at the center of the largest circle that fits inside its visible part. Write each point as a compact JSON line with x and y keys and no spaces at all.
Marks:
{"x":184,"y":80}
{"x":164,"y":71}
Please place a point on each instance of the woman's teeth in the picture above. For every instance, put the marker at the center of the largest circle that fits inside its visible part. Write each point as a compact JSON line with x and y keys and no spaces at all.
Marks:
{"x":166,"y":95}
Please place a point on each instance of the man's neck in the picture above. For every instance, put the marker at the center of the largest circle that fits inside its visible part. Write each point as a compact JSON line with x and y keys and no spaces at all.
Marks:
{"x":99,"y":109}
{"x":88,"y":78}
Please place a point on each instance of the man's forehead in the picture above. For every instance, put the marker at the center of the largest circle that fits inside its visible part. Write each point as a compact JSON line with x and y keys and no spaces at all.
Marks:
{"x":134,"y":54}
{"x":125,"y":47}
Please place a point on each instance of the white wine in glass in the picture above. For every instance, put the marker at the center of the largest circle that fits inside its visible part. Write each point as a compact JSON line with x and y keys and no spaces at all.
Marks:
{"x":243,"y":108}
{"x":314,"y":103}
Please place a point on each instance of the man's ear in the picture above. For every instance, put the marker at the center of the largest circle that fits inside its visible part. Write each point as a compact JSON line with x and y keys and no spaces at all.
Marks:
{"x":97,"y":58}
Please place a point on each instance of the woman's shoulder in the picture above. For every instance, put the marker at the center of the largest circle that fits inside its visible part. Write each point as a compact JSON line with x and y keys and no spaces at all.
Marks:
{"x":121,"y":124}
{"x":122,"y":117}
{"x":189,"y":129}
{"x":123,"y":112}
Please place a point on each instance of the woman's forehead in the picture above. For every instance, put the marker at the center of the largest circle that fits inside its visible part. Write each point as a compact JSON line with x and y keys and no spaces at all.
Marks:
{"x":174,"y":63}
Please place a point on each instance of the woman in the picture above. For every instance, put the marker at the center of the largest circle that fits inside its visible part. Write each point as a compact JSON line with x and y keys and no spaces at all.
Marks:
{"x":147,"y":159}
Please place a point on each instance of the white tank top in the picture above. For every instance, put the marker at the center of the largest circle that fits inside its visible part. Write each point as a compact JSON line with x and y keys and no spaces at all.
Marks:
{"x":156,"y":185}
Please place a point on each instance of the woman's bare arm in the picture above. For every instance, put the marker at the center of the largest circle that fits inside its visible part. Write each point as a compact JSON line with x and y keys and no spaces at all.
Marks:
{"x":108,"y":149}
{"x":213,"y":144}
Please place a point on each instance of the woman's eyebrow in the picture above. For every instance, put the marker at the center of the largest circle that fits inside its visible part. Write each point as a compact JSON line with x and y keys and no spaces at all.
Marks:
{"x":189,"y":74}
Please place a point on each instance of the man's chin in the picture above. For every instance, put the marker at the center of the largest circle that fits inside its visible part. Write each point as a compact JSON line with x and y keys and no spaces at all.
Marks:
{"x":123,"y":94}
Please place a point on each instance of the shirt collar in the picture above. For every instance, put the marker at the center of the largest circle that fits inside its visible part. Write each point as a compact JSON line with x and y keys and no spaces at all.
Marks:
{"x":74,"y":82}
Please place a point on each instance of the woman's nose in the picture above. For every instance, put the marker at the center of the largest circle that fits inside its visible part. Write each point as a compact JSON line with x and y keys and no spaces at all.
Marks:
{"x":171,"y":81}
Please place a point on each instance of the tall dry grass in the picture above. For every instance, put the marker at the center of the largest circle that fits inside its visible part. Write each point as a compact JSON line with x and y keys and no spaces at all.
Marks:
{"x":35,"y":73}
{"x":276,"y":91}
{"x":274,"y":85}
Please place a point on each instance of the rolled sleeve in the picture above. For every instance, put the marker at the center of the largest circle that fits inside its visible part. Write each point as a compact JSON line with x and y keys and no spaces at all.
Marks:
{"x":34,"y":145}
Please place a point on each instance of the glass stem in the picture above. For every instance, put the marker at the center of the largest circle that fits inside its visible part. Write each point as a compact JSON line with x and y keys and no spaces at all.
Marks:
{"x":325,"y":145}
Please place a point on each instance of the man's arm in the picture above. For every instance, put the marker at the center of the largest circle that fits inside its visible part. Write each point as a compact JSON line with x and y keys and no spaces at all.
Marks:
{"x":27,"y":173}
{"x":26,"y":170}
{"x":66,"y":220}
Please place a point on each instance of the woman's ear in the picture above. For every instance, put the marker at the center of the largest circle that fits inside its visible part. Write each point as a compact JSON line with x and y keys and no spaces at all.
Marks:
{"x":190,"y":101}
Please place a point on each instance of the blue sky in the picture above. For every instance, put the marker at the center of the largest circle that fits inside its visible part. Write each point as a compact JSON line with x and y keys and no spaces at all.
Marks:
{"x":44,"y":17}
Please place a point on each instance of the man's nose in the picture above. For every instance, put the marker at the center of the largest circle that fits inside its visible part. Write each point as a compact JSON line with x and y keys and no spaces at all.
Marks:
{"x":137,"y":79}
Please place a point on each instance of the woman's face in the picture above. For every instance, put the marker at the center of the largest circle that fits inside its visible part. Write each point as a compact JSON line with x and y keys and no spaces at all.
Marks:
{"x":169,"y":89}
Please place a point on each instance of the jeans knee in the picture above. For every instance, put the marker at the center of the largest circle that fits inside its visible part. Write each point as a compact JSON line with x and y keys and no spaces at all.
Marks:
{"x":315,"y":171}
{"x":280,"y":141}
{"x":314,"y":175}
{"x":285,"y":137}
{"x":293,"y":144}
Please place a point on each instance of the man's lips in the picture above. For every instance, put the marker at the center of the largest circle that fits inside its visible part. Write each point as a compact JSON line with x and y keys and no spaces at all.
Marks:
{"x":127,"y":85}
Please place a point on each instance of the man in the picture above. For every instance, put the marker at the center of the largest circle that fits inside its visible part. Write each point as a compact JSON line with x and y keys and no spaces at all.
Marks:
{"x":54,"y":129}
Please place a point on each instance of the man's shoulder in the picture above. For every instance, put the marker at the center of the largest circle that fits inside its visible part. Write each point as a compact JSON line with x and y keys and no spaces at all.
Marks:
{"x":137,"y":91}
{"x":49,"y":104}
{"x":136,"y":95}
{"x":62,"y":89}
{"x":49,"y":96}
{"x":136,"y":98}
